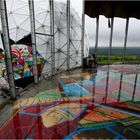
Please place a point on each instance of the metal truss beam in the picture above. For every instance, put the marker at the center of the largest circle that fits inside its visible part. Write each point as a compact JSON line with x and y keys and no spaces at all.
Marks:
{"x":68,"y":34}
{"x":51,"y":2}
{"x":32,"y":21}
{"x":43,"y":34}
{"x":83,"y":33}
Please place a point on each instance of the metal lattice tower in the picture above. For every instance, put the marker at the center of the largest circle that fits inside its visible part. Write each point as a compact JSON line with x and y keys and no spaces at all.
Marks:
{"x":19,"y":19}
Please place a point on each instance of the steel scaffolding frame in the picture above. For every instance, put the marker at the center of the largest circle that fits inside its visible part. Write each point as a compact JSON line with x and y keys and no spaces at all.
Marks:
{"x":70,"y":46}
{"x":5,"y":30}
{"x":68,"y":34}
{"x":32,"y":22}
{"x":52,"y":37}
{"x":83,"y":33}
{"x":33,"y":33}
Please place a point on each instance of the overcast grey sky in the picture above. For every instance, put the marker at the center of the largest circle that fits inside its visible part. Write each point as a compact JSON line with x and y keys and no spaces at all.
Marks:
{"x":104,"y":31}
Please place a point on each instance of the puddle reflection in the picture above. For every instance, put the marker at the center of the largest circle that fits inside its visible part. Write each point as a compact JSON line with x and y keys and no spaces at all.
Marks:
{"x":70,"y":112}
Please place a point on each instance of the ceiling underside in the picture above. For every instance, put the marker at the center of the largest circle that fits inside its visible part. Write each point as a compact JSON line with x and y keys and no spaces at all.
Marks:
{"x":122,"y":9}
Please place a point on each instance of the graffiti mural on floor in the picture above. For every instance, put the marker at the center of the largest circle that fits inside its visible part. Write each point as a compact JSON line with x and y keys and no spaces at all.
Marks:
{"x":48,"y":120}
{"x":114,"y":85}
{"x":67,"y":117}
{"x":71,"y":110}
{"x":126,"y":69}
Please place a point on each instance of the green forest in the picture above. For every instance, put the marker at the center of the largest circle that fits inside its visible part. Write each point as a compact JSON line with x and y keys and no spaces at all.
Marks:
{"x":131,"y":59}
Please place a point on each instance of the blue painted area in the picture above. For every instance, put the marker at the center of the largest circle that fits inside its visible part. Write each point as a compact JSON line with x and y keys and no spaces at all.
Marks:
{"x":99,"y":76}
{"x":73,"y":115}
{"x":86,"y":82}
{"x":61,"y":83}
{"x":91,"y":83}
{"x":108,"y":127}
{"x":118,"y":138}
{"x":116,"y":133}
{"x":75,"y":90}
{"x":27,"y":73}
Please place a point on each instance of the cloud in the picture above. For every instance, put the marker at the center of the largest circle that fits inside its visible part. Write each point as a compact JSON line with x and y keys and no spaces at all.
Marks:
{"x":118,"y":31}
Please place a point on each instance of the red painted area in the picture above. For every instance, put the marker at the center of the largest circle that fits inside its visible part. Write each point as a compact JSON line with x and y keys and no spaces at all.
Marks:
{"x":28,"y":124}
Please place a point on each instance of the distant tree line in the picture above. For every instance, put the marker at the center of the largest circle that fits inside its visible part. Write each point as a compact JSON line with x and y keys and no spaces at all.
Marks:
{"x":131,"y":59}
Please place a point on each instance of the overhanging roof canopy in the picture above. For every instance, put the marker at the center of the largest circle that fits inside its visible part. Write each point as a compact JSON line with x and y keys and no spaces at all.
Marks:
{"x":123,"y":9}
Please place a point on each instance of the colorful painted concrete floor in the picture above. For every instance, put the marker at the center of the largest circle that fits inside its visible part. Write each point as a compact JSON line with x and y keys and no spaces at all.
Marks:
{"x":95,"y":104}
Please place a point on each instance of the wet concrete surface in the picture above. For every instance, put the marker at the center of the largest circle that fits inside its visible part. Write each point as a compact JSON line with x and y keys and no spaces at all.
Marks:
{"x":45,"y":107}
